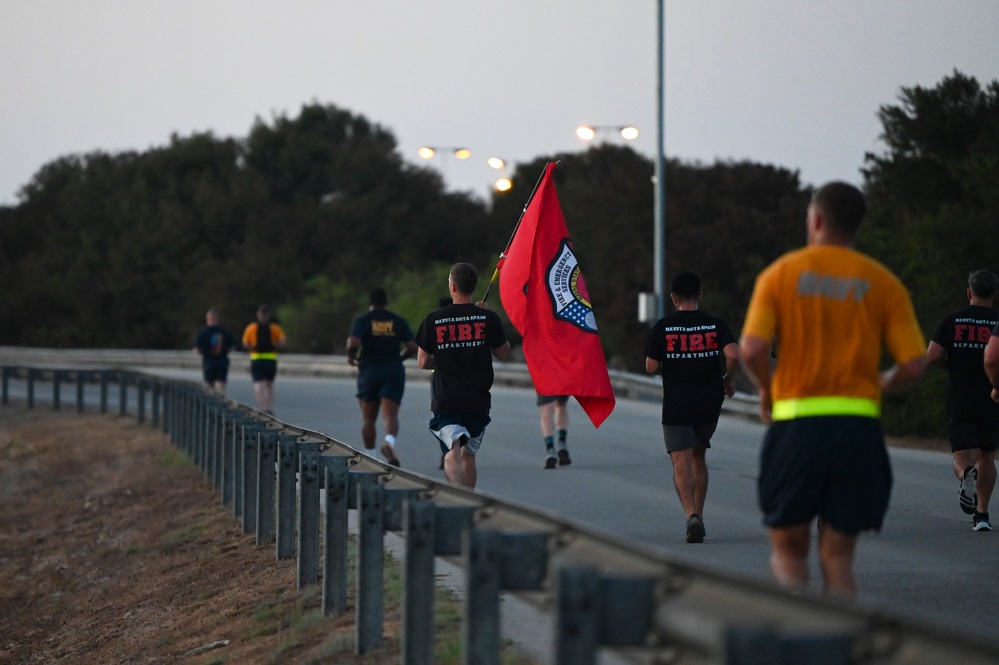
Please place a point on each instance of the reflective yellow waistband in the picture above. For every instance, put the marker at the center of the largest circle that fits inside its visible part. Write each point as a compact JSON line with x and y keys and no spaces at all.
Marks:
{"x":263,"y":356}
{"x":788,"y":409}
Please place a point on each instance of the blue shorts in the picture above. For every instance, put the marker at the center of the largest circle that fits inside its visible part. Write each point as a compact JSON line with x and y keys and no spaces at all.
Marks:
{"x":835,"y":467}
{"x":451,"y":427}
{"x":377,"y":381}
{"x":548,"y":399}
{"x":263,"y":369}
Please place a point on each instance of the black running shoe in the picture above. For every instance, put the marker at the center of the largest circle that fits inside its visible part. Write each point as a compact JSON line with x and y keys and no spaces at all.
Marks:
{"x":695,"y":529}
{"x":550,"y":462}
{"x":563,"y":457}
{"x":968,"y":494}
{"x":981,"y":522}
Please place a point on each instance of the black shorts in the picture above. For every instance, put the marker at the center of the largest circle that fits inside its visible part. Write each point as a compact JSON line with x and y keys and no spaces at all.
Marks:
{"x":377,"y":381}
{"x":216,"y":371}
{"x":263,"y":369}
{"x":548,"y":399}
{"x":835,"y":467}
{"x":688,"y":437}
{"x":980,"y":434}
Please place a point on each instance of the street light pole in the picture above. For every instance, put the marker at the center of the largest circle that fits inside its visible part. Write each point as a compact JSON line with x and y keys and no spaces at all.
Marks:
{"x":659,"y":266}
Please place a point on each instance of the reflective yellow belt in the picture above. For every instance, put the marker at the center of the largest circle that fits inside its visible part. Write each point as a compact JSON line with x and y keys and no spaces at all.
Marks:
{"x":263,"y":356}
{"x":788,"y":409}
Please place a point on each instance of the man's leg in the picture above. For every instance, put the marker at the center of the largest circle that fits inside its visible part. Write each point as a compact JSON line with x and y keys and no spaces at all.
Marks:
{"x":258,"y":395}
{"x":562,"y":427}
{"x":390,"y":411}
{"x":789,"y":554}
{"x":683,"y":479}
{"x":986,"y":478}
{"x":546,"y":412}
{"x":836,"y":553}
{"x":967,"y":473}
{"x":469,"y":473}
{"x":962,"y":460}
{"x":369,"y":416}
{"x":699,"y":472}
{"x":266,"y":396}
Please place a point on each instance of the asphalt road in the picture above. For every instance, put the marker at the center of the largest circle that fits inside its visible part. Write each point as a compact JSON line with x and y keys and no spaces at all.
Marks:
{"x":926,"y":564}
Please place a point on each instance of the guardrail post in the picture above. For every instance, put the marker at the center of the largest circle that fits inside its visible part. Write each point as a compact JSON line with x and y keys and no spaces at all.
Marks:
{"x":287,"y":472}
{"x":370,"y":560}
{"x":308,"y":520}
{"x":4,"y":391}
{"x":481,"y":629}
{"x":418,"y":590}
{"x":141,"y":388}
{"x":229,"y":431}
{"x":32,"y":375}
{"x":450,"y":525}
{"x":248,"y":486}
{"x":122,"y":394}
{"x":626,"y":607}
{"x":335,"y":538}
{"x":394,"y":507}
{"x":577,"y":618}
{"x":104,"y":391}
{"x":80,"y":377}
{"x":355,"y":478}
{"x":156,"y":395}
{"x":266,"y":451}
{"x":217,"y":442}
{"x":56,"y":388}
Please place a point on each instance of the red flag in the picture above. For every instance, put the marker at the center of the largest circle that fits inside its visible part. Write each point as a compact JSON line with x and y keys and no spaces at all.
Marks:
{"x":545,"y":296}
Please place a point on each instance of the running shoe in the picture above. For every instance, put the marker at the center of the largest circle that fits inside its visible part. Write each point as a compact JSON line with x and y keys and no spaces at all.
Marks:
{"x":563,"y":457}
{"x":981,"y":522}
{"x":388,"y":452}
{"x":550,"y":462}
{"x":695,"y":529}
{"x":968,"y":495}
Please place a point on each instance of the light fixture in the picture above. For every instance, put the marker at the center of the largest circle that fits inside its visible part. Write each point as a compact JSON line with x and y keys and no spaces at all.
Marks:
{"x":589,"y":132}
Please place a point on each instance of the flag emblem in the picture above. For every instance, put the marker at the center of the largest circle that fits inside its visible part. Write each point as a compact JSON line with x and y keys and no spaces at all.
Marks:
{"x":567,"y":289}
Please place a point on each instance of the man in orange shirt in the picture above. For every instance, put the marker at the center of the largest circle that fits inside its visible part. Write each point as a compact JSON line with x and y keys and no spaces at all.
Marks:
{"x":830,"y":309}
{"x":262,"y":339}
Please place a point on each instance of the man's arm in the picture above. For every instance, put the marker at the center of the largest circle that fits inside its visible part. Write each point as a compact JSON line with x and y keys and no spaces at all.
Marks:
{"x":936,"y":355}
{"x":904,"y":375}
{"x":424,"y":359}
{"x":731,"y":352}
{"x":652,"y":366}
{"x":501,"y":352}
{"x":353,"y":344}
{"x":755,"y":354}
{"x":992,"y":364}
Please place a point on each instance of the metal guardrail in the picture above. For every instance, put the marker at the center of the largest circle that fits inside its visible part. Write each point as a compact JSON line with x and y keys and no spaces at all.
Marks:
{"x":294,"y":489}
{"x":626,"y":384}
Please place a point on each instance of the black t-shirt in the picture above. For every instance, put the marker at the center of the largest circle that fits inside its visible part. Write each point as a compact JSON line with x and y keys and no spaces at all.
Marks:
{"x":461,"y":339}
{"x":964,"y":335}
{"x":689,"y":345}
{"x":381,"y":332}
{"x":214,"y":343}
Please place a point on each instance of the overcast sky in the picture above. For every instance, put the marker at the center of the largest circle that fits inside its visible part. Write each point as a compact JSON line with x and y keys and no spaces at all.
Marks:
{"x":793,"y":83}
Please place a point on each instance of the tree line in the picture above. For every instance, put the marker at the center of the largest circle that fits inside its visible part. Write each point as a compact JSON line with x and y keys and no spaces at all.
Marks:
{"x":308,"y":213}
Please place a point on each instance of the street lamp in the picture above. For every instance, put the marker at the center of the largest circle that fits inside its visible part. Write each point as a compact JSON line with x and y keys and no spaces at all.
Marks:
{"x":589,"y":132}
{"x":429,"y":152}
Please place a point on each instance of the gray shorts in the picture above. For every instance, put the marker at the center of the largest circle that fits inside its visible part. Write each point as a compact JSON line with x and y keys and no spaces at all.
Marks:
{"x":687,"y":437}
